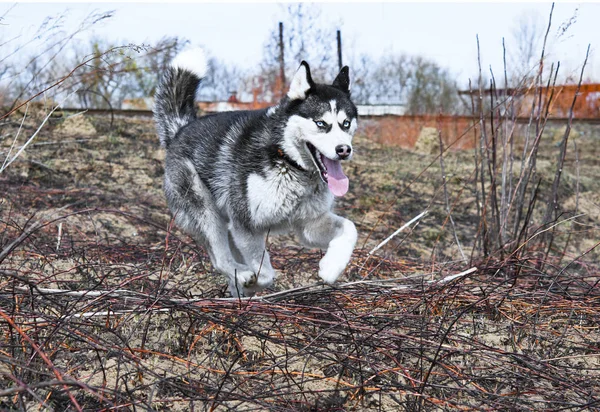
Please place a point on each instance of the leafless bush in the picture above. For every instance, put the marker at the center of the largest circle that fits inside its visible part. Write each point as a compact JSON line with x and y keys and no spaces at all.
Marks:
{"x":511,"y":196}
{"x":414,"y":343}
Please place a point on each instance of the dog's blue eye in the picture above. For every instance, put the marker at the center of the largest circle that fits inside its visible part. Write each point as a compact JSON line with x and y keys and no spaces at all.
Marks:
{"x":320,"y":123}
{"x":346,"y":124}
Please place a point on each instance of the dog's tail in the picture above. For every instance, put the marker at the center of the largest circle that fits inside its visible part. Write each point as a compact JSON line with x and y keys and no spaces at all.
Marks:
{"x":174,"y":98}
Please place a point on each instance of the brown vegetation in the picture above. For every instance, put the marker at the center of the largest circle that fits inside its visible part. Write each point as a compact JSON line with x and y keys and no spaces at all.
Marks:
{"x":488,"y":300}
{"x":105,"y":304}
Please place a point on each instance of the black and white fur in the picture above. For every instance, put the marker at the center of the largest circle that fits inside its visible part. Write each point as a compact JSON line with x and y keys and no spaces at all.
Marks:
{"x":231,"y":178}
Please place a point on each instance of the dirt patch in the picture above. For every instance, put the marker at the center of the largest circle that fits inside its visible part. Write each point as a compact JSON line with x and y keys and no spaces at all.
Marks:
{"x":428,"y":141}
{"x":76,"y":125}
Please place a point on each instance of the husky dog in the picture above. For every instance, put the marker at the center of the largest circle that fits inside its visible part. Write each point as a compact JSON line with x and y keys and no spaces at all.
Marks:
{"x":231,"y":178}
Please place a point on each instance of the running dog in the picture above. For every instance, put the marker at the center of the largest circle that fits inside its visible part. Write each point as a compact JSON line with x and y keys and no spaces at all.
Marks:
{"x":231,"y":178}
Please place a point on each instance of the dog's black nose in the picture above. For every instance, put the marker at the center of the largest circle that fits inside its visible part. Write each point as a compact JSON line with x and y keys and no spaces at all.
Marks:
{"x":343,"y":151}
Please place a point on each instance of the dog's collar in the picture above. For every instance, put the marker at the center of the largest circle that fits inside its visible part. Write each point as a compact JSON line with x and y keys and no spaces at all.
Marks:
{"x":281,"y":155}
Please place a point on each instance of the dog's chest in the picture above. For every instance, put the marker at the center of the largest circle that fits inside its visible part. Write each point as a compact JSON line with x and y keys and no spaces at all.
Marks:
{"x":280,"y":196}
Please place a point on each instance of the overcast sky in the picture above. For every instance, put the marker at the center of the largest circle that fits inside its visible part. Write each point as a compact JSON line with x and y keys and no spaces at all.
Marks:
{"x":444,"y":32}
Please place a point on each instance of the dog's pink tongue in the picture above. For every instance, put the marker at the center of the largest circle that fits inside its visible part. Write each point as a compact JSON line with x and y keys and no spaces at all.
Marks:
{"x":336,"y":179}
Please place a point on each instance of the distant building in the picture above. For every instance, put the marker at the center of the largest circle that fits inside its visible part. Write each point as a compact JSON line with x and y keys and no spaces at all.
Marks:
{"x":142,"y":103}
{"x":587,"y":104}
{"x":229,"y":106}
{"x":381,"y":109}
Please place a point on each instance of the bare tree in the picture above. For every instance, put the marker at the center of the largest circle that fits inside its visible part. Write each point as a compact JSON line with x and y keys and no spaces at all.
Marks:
{"x":110,"y":75}
{"x":390,"y":79}
{"x":430,"y":89}
{"x":363,"y":89}
{"x":420,"y":84}
{"x":524,"y":47}
{"x":44,"y":66}
{"x":115,"y":73}
{"x":222,"y":81}
{"x":305,"y":37}
{"x":150,"y":65}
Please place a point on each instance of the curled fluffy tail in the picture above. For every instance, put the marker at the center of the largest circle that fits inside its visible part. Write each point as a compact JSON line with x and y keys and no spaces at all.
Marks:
{"x":174,"y":100}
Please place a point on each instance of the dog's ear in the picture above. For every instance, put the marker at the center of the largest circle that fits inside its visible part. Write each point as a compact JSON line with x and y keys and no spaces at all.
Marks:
{"x":301,"y":83}
{"x":342,"y":81}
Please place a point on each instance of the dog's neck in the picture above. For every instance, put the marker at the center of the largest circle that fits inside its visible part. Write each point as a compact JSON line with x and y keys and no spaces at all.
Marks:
{"x":279,"y":154}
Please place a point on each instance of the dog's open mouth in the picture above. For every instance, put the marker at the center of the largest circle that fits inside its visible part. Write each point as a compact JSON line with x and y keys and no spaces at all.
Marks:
{"x":330,"y":171}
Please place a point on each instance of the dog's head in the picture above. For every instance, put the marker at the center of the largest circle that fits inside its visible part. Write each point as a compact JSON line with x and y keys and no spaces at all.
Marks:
{"x":322,"y":122}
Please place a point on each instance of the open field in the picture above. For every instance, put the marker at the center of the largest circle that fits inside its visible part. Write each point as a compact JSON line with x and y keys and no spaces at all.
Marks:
{"x":106,"y":305}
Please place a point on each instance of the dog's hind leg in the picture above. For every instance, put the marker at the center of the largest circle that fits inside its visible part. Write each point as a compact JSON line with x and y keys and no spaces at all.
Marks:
{"x":251,"y":246}
{"x":196,"y":212}
{"x":334,"y":233}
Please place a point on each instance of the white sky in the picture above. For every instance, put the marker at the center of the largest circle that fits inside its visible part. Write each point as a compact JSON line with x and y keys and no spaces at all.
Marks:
{"x":444,"y":32}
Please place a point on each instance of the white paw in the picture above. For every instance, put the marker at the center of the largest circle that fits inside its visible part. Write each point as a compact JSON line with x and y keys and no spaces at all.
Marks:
{"x":248,"y":283}
{"x":258,"y":283}
{"x":338,"y":254}
{"x":331,"y":267}
{"x":265,"y":278}
{"x":243,"y":284}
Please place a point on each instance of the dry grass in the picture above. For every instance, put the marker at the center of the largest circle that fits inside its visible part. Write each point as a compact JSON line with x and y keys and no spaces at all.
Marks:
{"x":105,"y":305}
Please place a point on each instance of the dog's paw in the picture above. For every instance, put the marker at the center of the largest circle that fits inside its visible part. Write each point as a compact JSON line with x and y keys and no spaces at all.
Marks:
{"x":265,"y":278}
{"x":243,"y":284}
{"x":258,"y":283}
{"x":250,"y":281}
{"x":338,"y":253}
{"x":330,"y":268}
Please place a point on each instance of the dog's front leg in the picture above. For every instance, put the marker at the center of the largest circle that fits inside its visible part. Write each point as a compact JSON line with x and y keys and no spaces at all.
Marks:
{"x":251,"y":247}
{"x":337,"y":235}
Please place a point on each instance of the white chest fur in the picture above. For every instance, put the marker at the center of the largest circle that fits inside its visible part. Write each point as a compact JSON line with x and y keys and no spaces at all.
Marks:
{"x":280,"y":197}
